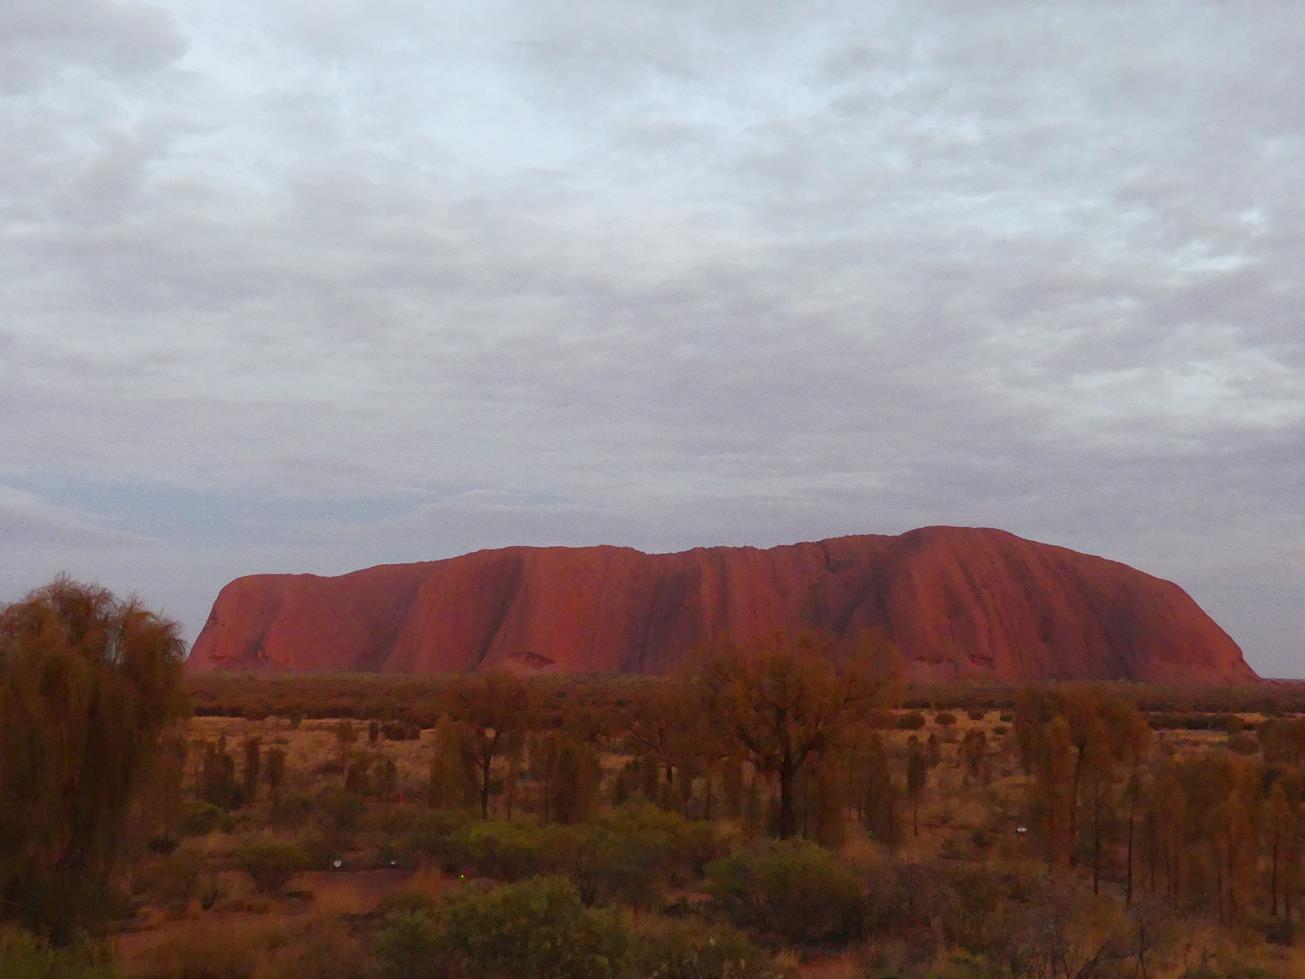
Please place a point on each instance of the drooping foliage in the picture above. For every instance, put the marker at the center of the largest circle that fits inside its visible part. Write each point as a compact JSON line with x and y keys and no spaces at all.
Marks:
{"x":788,"y":700}
{"x":88,"y":685}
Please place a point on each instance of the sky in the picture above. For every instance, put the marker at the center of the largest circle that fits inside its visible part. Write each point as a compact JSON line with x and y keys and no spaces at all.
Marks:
{"x":312,"y":286}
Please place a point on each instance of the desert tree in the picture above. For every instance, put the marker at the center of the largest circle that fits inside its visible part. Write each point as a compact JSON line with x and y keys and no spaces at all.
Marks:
{"x":1282,"y":830}
{"x":821,"y":801}
{"x":159,"y":801}
{"x":274,"y":774}
{"x":575,"y":784}
{"x":1164,"y":821}
{"x":786,"y":699}
{"x":252,"y":749}
{"x":345,"y":736}
{"x":871,"y":787}
{"x":1051,"y":756}
{"x":974,"y":751}
{"x":668,"y":733}
{"x":218,"y":785}
{"x":494,"y":709}
{"x":1076,"y":765}
{"x":451,"y":783}
{"x":387,"y":778}
{"x":88,"y":686}
{"x":1098,"y":764}
{"x":917,"y":775}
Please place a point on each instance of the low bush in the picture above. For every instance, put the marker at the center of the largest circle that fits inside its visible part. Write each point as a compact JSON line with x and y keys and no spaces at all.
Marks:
{"x":410,"y":945}
{"x":911,"y":721}
{"x":683,"y":950}
{"x":503,"y":850}
{"x":628,"y":856}
{"x":198,"y":818}
{"x":405,"y":902}
{"x":538,"y":928}
{"x":271,"y":863}
{"x":791,"y":890}
{"x":24,"y":957}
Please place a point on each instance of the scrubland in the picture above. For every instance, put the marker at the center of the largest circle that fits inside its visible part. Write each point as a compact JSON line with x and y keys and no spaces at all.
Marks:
{"x":655,"y":850}
{"x":783,"y":810}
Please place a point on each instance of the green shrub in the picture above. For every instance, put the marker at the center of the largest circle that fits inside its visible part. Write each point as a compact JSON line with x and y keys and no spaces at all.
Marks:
{"x":271,"y":863}
{"x":198,"y":818}
{"x":425,"y":834}
{"x":405,"y":901}
{"x":791,"y":890}
{"x":409,"y":945}
{"x":944,"y":718}
{"x":293,"y":808}
{"x":344,"y":810}
{"x":679,"y":950}
{"x":626,"y":856}
{"x":23,"y":957}
{"x":629,"y":856}
{"x":502,"y":850}
{"x":536,"y":928}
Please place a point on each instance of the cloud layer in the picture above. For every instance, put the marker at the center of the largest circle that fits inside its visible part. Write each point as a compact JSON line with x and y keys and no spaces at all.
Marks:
{"x":309,"y":287}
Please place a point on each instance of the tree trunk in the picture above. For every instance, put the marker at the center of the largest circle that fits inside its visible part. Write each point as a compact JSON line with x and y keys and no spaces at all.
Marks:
{"x":1128,"y":874}
{"x":787,"y":816}
{"x":1096,"y":836}
{"x":1273,"y":876}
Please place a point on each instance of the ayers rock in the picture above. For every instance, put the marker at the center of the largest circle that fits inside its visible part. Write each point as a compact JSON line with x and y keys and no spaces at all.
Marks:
{"x":959,"y":602}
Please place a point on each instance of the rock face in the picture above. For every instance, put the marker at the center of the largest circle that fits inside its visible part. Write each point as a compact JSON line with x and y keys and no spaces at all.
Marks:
{"x":959,"y":602}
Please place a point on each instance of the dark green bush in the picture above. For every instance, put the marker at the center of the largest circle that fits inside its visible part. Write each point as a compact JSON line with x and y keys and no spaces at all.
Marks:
{"x":628,"y":856}
{"x":198,"y":818}
{"x":271,"y":863}
{"x":503,"y":850}
{"x":538,"y":928}
{"x":911,"y":721}
{"x":24,"y":957}
{"x":682,"y":950}
{"x":344,"y":810}
{"x":409,"y":945}
{"x":405,"y":902}
{"x":792,"y":890}
{"x":426,"y":834}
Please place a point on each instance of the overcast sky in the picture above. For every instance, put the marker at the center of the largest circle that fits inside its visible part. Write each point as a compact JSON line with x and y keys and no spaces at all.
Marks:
{"x":310,"y":286}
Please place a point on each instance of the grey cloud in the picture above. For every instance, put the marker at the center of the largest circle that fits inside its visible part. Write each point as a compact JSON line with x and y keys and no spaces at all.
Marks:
{"x":734,"y":276}
{"x":41,"y":38}
{"x":28,"y":522}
